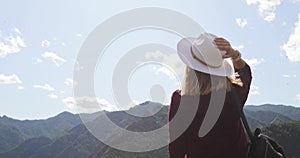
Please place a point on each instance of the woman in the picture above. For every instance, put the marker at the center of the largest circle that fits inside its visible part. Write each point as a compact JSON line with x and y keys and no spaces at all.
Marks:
{"x":203,"y":119}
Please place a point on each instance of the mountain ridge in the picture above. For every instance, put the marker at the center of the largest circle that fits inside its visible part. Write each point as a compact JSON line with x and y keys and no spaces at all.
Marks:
{"x":77,"y":141}
{"x":287,"y":110}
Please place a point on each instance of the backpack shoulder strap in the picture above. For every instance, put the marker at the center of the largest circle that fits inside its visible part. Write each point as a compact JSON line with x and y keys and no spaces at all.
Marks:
{"x":240,"y":110}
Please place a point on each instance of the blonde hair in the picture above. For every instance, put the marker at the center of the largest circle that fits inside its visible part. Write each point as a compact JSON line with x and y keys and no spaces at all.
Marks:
{"x":196,"y":82}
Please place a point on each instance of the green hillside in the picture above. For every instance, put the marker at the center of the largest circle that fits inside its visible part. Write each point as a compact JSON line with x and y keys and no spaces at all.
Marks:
{"x":287,"y":134}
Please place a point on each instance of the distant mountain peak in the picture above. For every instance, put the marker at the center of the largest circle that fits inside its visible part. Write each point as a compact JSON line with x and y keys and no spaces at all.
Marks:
{"x":4,"y":116}
{"x":65,"y":113}
{"x":145,"y":109}
{"x":144,"y":103}
{"x":149,"y":103}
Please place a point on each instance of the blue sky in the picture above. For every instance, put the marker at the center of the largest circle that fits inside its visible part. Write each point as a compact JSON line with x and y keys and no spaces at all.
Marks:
{"x":40,"y":40}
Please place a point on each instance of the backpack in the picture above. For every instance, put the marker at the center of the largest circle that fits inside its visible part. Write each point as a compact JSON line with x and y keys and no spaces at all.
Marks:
{"x":260,"y":145}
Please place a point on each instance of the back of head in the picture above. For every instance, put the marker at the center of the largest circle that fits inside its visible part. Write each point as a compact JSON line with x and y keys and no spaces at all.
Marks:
{"x":196,"y":82}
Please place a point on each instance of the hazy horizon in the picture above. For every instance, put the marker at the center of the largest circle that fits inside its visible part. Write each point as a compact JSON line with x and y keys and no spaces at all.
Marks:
{"x":74,"y":113}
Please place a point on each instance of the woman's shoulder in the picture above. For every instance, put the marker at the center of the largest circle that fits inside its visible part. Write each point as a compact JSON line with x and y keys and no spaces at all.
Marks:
{"x":177,"y":92}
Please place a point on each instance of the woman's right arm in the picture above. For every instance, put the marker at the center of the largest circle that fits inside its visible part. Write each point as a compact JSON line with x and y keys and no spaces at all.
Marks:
{"x":244,"y":74}
{"x":240,"y":66}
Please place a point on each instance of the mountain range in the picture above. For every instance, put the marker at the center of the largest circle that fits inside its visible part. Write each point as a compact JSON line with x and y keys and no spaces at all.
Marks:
{"x":65,"y":136}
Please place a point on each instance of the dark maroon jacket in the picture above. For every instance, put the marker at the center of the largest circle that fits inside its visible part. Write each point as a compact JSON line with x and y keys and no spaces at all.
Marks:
{"x":226,"y":139}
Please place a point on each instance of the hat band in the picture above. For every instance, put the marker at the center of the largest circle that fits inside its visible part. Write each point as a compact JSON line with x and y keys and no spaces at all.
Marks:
{"x":202,"y":62}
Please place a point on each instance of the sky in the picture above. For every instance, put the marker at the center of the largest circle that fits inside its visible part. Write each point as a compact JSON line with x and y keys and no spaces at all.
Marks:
{"x":40,"y":42}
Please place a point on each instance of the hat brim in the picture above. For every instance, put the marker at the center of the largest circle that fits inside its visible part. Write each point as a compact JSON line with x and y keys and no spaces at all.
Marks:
{"x":184,"y":52}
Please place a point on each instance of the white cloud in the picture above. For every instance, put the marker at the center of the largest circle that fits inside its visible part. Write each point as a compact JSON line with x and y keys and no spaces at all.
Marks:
{"x":54,"y":57}
{"x":70,"y":82}
{"x":78,"y":67}
{"x":284,"y":23}
{"x":17,"y":31}
{"x":239,"y":47}
{"x":286,"y":76}
{"x":270,"y":17}
{"x":241,"y":22}
{"x":38,"y":60}
{"x":11,"y":44}
{"x":52,"y":96}
{"x":172,"y":66}
{"x":166,"y":71}
{"x":171,"y":60}
{"x":79,"y":35}
{"x":45,"y":43}
{"x":44,"y":87}
{"x":289,"y":76}
{"x":292,"y":46}
{"x":298,"y":96}
{"x":254,"y":62}
{"x":10,"y":79}
{"x":20,"y":88}
{"x":254,"y":91}
{"x":87,"y":104}
{"x":266,"y":8}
